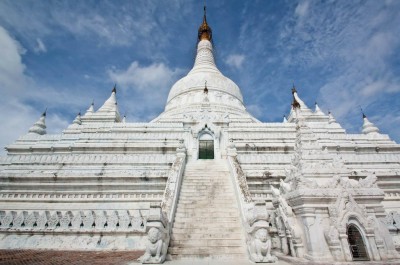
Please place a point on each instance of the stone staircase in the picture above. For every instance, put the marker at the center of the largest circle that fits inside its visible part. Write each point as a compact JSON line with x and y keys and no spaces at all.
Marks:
{"x":207,"y":221}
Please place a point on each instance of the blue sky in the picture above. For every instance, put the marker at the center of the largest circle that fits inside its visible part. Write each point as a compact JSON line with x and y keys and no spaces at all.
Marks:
{"x":61,"y":55}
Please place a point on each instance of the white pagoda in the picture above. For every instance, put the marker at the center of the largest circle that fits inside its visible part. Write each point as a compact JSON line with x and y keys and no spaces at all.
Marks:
{"x":204,"y":179}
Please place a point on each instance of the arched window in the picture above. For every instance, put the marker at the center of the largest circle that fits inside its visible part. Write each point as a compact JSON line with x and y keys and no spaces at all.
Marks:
{"x":206,"y":146}
{"x":356,"y":243}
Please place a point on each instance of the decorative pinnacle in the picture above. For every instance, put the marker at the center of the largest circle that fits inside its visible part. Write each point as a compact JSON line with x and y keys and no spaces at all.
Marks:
{"x":205,"y":32}
{"x":363,"y":114}
{"x":294,"y":89}
{"x":295,"y":104}
{"x":114,"y":89}
{"x":44,"y":113}
{"x":205,"y":87}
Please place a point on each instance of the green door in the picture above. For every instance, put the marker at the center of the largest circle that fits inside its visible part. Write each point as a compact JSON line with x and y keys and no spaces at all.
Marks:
{"x":206,"y":149}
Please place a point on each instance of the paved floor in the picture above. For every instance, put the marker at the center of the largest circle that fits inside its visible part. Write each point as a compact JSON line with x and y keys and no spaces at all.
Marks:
{"x":49,"y":257}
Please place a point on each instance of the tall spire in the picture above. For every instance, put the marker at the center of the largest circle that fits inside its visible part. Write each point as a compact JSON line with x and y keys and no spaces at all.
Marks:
{"x":204,"y":61}
{"x":205,"y":32}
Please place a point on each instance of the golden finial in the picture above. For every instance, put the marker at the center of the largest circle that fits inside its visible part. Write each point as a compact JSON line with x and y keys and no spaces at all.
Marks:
{"x":205,"y":32}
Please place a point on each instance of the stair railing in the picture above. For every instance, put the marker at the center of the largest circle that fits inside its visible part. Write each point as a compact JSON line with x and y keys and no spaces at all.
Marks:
{"x":254,"y":215}
{"x":161,"y":216}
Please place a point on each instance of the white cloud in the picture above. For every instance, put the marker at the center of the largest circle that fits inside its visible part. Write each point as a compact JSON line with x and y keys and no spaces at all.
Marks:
{"x":146,"y":87}
{"x":302,"y":8}
{"x":40,"y":47}
{"x":16,"y":115}
{"x":11,"y":66}
{"x":235,"y":60}
{"x":154,"y":76}
{"x":255,"y":110}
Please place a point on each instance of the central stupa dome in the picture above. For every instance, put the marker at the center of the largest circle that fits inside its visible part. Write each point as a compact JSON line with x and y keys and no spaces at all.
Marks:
{"x":204,"y":88}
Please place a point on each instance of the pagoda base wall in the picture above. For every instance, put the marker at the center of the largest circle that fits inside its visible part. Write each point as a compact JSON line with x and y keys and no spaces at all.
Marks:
{"x":92,"y":241}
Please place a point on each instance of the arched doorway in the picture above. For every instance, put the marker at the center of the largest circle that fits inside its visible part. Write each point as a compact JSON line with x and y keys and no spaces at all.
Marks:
{"x":206,"y":146}
{"x":356,"y":243}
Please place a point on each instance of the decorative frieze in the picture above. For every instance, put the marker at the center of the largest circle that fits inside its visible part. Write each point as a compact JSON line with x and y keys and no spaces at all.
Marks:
{"x":74,"y":221}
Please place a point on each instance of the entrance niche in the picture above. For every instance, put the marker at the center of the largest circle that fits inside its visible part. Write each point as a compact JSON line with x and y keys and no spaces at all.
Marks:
{"x":356,"y":243}
{"x":206,"y":146}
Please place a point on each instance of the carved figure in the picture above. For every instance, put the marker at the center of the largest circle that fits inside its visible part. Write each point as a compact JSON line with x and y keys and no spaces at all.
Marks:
{"x":285,"y":186}
{"x":260,"y":247}
{"x":368,"y":182}
{"x":156,"y":248}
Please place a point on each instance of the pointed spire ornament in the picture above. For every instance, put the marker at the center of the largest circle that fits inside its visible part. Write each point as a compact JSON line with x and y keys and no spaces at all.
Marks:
{"x":295,"y":104}
{"x":111,"y":102}
{"x":40,"y":126}
{"x":90,"y":109}
{"x":109,"y":110}
{"x":205,"y":32}
{"x":331,"y":118}
{"x":368,"y":127}
{"x":284,"y":119}
{"x":318,"y":110}
{"x":78,"y":119}
{"x":124,"y":119}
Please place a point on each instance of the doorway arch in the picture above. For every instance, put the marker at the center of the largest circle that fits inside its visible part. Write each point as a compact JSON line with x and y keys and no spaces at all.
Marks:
{"x":357,"y":245}
{"x":206,"y":146}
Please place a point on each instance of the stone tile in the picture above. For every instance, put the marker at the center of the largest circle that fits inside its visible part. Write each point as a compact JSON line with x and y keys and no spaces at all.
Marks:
{"x":50,"y":257}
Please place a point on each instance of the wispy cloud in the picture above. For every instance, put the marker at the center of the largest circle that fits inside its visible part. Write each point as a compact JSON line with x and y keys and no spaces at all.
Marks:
{"x":40,"y":47}
{"x":235,"y":60}
{"x":148,"y":86}
{"x":339,"y":53}
{"x":63,"y":54}
{"x":11,"y":67}
{"x":302,"y":8}
{"x":156,"y":75}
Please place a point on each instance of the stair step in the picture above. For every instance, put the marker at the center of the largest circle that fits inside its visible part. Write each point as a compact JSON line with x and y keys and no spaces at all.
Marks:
{"x":207,"y":220}
{"x":206,"y":211}
{"x":211,"y":215}
{"x":233,"y":258}
{"x":195,"y":250}
{"x":194,"y":224}
{"x":195,"y":236}
{"x":194,"y":203}
{"x":217,"y":227}
{"x":207,"y":243}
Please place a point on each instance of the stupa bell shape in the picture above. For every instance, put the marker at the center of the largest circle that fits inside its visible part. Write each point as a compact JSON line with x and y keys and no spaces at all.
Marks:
{"x":331,"y":118}
{"x":368,"y":127}
{"x":90,"y":110}
{"x":40,"y":126}
{"x":108,"y":112}
{"x":111,"y":103}
{"x":317,"y":110}
{"x":78,"y":119}
{"x":186,"y":97}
